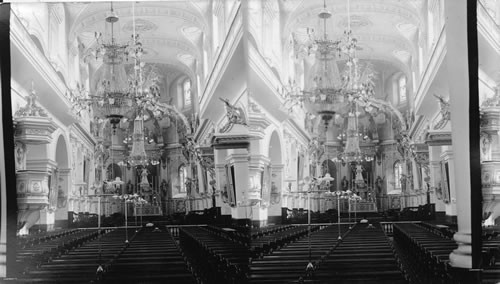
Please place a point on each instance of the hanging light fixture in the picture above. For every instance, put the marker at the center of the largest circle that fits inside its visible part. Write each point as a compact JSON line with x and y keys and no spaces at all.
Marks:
{"x":119,"y":94}
{"x":139,"y":156}
{"x":330,"y":91}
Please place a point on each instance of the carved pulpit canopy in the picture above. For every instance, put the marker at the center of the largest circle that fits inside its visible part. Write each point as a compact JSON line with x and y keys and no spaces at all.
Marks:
{"x":32,"y":123}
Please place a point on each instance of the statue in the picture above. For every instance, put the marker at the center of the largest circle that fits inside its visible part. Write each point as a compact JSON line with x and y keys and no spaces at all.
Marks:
{"x":402,"y":180}
{"x":344,"y":184}
{"x":235,"y":115}
{"x":189,"y":184}
{"x":144,"y":176}
{"x":379,"y":184}
{"x":445,"y":112}
{"x":164,"y":186}
{"x":360,"y":181}
{"x":130,"y":187}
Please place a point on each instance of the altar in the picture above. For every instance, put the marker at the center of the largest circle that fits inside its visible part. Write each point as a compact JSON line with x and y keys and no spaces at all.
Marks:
{"x":363,"y":206}
{"x":147,"y":210}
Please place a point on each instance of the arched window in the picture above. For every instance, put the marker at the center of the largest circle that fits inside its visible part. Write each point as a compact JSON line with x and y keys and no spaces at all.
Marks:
{"x":398,"y":170}
{"x":402,"y":89}
{"x":182,"y":178}
{"x":186,"y":92}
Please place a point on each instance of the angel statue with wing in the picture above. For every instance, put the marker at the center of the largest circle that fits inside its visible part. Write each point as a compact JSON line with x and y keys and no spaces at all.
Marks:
{"x":235,"y":115}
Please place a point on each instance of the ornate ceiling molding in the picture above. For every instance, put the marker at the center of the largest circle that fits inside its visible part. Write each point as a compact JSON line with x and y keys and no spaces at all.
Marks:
{"x":411,"y":15}
{"x":89,"y":18}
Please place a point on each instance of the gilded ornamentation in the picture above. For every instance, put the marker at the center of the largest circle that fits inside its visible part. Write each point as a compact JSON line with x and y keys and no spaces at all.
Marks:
{"x":235,"y":115}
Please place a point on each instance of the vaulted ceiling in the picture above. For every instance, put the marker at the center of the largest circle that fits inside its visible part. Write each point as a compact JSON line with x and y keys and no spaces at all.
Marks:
{"x":386,"y":29}
{"x":169,"y":31}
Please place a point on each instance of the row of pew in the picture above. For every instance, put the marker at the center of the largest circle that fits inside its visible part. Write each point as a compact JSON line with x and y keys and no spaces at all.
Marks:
{"x":32,"y":256}
{"x":37,"y":238}
{"x":364,"y":256}
{"x":153,"y":256}
{"x":215,"y":258}
{"x":491,"y":259}
{"x":288,"y":263}
{"x":424,"y":253}
{"x":80,"y":264}
{"x":270,"y":242}
{"x":260,"y":232}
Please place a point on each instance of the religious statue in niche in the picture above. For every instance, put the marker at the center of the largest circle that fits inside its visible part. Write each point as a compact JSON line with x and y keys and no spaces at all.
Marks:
{"x":235,"y":115}
{"x":189,"y":185}
{"x":164,"y":188}
{"x":402,"y":181}
{"x":439,"y":191}
{"x":379,"y":183}
{"x":344,"y":183}
{"x":130,"y":187}
{"x":144,"y":177}
{"x":359,"y":180}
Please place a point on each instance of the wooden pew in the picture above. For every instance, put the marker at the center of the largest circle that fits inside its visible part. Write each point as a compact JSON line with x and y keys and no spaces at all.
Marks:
{"x":288,"y":263}
{"x":152,"y":257}
{"x":80,"y":264}
{"x":215,"y":258}
{"x":424,"y":252}
{"x":365,"y":255}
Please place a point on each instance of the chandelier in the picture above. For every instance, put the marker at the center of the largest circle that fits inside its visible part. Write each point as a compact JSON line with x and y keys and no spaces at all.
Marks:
{"x":138,"y":156}
{"x":352,"y":151}
{"x":330,"y":91}
{"x":119,"y":93}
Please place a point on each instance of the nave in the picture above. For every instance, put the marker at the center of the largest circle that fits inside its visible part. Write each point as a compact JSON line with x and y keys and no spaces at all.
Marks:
{"x":378,"y":252}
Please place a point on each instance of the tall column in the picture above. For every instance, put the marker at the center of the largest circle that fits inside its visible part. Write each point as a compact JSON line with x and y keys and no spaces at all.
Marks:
{"x":458,"y":83}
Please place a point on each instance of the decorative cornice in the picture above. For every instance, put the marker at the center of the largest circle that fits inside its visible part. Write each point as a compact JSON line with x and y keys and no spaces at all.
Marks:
{"x":438,"y":138}
{"x":141,"y":11}
{"x":81,"y":133}
{"x":299,"y":133}
{"x":231,"y":141}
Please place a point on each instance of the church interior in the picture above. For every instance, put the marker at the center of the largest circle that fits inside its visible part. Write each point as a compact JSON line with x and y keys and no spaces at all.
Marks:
{"x":259,"y":141}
